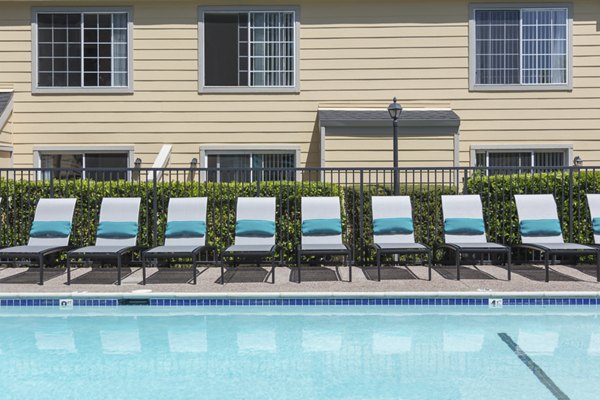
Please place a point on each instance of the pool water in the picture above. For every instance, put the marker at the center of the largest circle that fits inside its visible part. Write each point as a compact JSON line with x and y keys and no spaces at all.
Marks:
{"x":300,"y":353}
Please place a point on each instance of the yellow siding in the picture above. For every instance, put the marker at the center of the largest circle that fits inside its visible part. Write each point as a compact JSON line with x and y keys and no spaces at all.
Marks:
{"x":352,"y":52}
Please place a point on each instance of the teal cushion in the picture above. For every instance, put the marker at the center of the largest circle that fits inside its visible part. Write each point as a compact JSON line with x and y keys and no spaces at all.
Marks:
{"x":596,"y":225}
{"x":185,"y":229}
{"x":50,"y":229}
{"x":540,"y":227}
{"x":255,"y":228}
{"x":117,"y":230}
{"x":464,"y":226}
{"x":393,"y":226}
{"x":322,"y":227}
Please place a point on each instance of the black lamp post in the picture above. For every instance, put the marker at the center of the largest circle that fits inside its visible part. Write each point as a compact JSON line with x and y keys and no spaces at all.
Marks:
{"x":395,"y":110}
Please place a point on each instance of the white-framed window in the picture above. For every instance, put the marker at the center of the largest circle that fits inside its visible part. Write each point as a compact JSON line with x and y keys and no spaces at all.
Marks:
{"x":97,"y":165}
{"x":521,"y":160}
{"x":81,"y":50}
{"x":520,"y":47}
{"x":248,"y":49}
{"x":250,"y":166}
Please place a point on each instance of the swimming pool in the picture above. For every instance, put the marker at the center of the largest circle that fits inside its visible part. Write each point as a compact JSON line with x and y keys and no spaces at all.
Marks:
{"x":279,"y":352}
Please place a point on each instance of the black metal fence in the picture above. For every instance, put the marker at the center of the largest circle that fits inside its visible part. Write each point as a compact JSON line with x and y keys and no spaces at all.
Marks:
{"x":21,"y":188}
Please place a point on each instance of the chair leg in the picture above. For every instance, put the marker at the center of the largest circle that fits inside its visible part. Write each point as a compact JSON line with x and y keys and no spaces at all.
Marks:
{"x":41,"y":264}
{"x":222,"y":271}
{"x":299,"y":262}
{"x":195,"y":268}
{"x":547,"y":266}
{"x":378,"y":256}
{"x":118,"y":270}
{"x":348,"y":260}
{"x":273,"y":270}
{"x":68,"y":270}
{"x":144,"y":260}
{"x":509,"y":263}
{"x":429,"y":262}
{"x":598,"y":266}
{"x":457,"y":258}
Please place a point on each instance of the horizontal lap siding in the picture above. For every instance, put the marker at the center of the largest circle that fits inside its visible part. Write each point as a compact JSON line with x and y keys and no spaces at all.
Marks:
{"x":353,"y":52}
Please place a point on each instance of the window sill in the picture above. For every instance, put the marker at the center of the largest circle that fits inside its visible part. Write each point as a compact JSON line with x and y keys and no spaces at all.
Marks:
{"x":248,"y":90}
{"x":521,"y":88}
{"x":82,"y":91}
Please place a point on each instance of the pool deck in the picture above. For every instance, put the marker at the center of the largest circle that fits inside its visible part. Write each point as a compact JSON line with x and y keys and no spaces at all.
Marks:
{"x":315,"y":281}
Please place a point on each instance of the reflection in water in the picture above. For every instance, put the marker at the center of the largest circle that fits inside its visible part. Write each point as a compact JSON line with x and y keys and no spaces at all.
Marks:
{"x":594,"y":347}
{"x":122,"y":339}
{"x":537,"y":342}
{"x":391,"y":343}
{"x":256,"y":340}
{"x":321,"y":340}
{"x":60,"y":341}
{"x":463,"y":341}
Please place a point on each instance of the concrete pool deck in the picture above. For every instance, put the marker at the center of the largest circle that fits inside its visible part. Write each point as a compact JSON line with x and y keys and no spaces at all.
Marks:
{"x":413,"y":279}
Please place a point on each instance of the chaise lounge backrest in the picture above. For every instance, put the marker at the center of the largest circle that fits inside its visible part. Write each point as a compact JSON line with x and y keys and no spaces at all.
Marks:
{"x":538,"y":219}
{"x":52,"y":223}
{"x":594,"y":204}
{"x":392,"y":219}
{"x":321,"y":220}
{"x":118,"y":223}
{"x":255,"y":221}
{"x":186,"y":222}
{"x":463,"y":219}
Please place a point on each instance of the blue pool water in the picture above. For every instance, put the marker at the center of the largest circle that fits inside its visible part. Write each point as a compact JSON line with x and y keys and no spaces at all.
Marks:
{"x":300,"y":353}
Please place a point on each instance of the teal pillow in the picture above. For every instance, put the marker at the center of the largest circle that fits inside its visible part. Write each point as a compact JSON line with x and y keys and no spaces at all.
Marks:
{"x":255,"y":228}
{"x":393,"y":226}
{"x":117,"y":230}
{"x":185,"y":229}
{"x":50,"y":229}
{"x":322,"y":227}
{"x":596,"y":225}
{"x":540,"y":227}
{"x":464,"y":226}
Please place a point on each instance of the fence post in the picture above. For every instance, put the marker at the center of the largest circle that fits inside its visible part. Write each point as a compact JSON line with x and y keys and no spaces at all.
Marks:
{"x":361,"y":221}
{"x":464,"y":182}
{"x":571,"y":205}
{"x":51,"y":183}
{"x":154,"y":212}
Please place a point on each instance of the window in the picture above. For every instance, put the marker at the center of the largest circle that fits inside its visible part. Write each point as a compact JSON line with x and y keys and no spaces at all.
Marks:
{"x":71,"y":165}
{"x":249,"y":49}
{"x":521,"y":47}
{"x":82,"y":50}
{"x":520,"y":161}
{"x":250,"y":167}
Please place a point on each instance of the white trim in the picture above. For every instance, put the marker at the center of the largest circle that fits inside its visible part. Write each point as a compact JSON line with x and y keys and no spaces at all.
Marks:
{"x":7,"y":111}
{"x":517,"y":148}
{"x":81,"y":90}
{"x":202,"y":88}
{"x":568,"y":86}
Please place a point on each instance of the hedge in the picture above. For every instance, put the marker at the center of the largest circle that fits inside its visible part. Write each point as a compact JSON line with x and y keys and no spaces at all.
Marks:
{"x":19,"y":199}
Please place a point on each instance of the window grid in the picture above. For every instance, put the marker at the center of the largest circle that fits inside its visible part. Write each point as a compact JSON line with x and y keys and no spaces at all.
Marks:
{"x":519,"y":161}
{"x":84,"y":49}
{"x":237,"y":167}
{"x":525,"y":46}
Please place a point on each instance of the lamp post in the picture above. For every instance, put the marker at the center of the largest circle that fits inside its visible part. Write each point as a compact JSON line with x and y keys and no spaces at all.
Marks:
{"x":395,"y":109}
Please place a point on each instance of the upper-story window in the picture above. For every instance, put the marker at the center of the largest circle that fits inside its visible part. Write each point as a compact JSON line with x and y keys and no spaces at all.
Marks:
{"x":254,"y":50}
{"x":85,"y":50}
{"x":520,"y":48}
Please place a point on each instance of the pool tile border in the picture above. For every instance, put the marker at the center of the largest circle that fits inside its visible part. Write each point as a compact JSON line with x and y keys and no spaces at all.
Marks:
{"x":419,"y":301}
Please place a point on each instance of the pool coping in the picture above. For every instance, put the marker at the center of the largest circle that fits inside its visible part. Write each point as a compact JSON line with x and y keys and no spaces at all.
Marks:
{"x":299,"y":295}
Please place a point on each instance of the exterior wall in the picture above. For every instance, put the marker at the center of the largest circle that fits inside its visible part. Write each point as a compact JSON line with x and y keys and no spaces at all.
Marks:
{"x":352,"y":52}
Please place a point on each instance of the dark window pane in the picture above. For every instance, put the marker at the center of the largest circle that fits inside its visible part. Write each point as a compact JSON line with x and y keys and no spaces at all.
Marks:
{"x":45,"y":35}
{"x":90,"y":50}
{"x":74,"y":35}
{"x":90,"y":79}
{"x":74,"y":79}
{"x":60,"y":50}
{"x":90,"y":35}
{"x":45,"y":50}
{"x":105,"y":65}
{"x":106,"y":161}
{"x":90,"y":20}
{"x":104,"y":21}
{"x":74,"y":50}
{"x":90,"y":65}
{"x":60,"y":64}
{"x":59,"y":21}
{"x":221,"y":49}
{"x":74,"y":20}
{"x":60,"y":35}
{"x":104,"y":80}
{"x":234,"y":167}
{"x":60,"y":80}
{"x":105,"y":36}
{"x":44,"y":20}
{"x":45,"y":64}
{"x":105,"y":50}
{"x":45,"y":79}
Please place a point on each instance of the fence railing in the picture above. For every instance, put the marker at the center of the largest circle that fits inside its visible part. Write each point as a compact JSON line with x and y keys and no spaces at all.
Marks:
{"x":20,"y":190}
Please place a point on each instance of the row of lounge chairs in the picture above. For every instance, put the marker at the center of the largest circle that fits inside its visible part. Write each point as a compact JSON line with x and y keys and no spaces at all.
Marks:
{"x":321,"y":232}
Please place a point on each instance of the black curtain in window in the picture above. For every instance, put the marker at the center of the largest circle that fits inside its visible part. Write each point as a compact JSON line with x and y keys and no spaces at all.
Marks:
{"x":221,"y":49}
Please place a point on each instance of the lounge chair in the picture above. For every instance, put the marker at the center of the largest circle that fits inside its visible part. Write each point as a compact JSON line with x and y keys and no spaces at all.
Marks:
{"x":322,"y":231}
{"x":254,"y":233}
{"x":393,"y":231}
{"x":185,"y":235}
{"x":464,"y":230}
{"x":541,"y":230}
{"x":49,"y":234}
{"x":594,"y":205}
{"x":116,"y":235}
